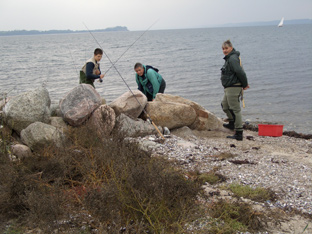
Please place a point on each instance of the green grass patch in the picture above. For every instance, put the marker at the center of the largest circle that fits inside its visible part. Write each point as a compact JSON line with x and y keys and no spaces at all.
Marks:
{"x":211,"y":178}
{"x":233,"y":217}
{"x":256,"y":194}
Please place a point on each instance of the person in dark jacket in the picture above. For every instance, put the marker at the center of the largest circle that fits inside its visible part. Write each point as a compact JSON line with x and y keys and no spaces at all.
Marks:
{"x":234,"y":81}
{"x":149,"y":81}
{"x":91,"y":69}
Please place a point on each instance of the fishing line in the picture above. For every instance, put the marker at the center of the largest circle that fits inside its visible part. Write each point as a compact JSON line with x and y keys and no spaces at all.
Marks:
{"x":73,"y":61}
{"x":131,"y":46}
{"x":113,"y":65}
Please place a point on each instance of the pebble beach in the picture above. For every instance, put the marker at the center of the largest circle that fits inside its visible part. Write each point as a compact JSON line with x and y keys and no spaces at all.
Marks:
{"x":282,"y":164}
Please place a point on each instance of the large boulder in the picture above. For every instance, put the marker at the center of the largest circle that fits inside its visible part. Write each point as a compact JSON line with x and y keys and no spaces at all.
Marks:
{"x":102,"y":121}
{"x":39,"y":135}
{"x":132,"y":128}
{"x":79,"y":103}
{"x":130,"y":104}
{"x":22,"y":110}
{"x":170,"y":113}
{"x":204,"y":120}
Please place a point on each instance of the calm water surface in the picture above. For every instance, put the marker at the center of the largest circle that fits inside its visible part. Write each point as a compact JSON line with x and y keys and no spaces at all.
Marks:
{"x":278,"y":63}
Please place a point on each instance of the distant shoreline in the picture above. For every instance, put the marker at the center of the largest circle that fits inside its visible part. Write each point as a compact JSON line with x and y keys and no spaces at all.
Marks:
{"x":38,"y":32}
{"x":123,"y":28}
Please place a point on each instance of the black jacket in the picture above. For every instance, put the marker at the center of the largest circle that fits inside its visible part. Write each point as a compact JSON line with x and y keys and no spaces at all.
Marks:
{"x":232,"y":72}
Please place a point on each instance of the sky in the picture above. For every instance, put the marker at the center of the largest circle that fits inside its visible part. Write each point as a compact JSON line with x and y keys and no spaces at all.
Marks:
{"x":140,"y":14}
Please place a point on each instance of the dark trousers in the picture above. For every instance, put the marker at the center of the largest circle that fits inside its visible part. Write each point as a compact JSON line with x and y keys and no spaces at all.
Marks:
{"x":161,"y":90}
{"x":231,"y":106}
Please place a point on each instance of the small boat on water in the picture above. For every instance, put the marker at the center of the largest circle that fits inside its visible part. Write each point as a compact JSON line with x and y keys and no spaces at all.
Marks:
{"x":281,"y":23}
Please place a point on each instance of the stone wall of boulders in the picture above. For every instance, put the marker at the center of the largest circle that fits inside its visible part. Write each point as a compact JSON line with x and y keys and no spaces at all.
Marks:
{"x":29,"y":115}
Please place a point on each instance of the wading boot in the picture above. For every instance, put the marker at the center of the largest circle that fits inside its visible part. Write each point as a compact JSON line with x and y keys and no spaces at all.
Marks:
{"x":238,"y":136}
{"x":230,"y":125}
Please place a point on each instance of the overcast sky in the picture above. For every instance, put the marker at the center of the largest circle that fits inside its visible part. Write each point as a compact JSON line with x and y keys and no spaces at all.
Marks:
{"x":140,"y":14}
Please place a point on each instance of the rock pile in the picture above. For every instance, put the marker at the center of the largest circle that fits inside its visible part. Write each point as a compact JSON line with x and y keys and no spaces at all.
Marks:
{"x":29,"y":115}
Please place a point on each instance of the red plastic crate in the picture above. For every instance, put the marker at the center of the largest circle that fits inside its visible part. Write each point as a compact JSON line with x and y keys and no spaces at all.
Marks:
{"x":270,"y":130}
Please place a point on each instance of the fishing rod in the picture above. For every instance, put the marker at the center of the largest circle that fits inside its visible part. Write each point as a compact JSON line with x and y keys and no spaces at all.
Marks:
{"x":113,"y":65}
{"x":131,"y":46}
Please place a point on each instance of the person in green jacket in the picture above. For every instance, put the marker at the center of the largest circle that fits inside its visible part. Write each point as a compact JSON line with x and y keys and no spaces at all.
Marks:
{"x":149,"y":81}
{"x":234,"y":81}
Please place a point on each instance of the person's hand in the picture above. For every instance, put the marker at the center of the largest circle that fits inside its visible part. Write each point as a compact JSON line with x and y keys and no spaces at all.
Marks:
{"x":101,"y":76}
{"x":97,"y":72}
{"x":247,"y":87}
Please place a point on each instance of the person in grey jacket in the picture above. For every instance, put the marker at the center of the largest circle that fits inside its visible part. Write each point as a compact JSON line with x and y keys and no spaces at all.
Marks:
{"x":234,"y":81}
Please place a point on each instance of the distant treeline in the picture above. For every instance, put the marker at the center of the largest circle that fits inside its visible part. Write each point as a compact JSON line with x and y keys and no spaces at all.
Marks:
{"x":35,"y":32}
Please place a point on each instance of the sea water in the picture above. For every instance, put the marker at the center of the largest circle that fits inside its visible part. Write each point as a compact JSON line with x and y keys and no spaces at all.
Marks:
{"x":277,"y":61}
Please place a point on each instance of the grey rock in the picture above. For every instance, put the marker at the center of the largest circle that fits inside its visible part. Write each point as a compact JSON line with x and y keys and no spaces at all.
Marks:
{"x":78,"y":104}
{"x":59,"y":123}
{"x":165,"y":108}
{"x":39,"y":135}
{"x":184,"y":132}
{"x":131,"y":128}
{"x":166,"y":131}
{"x":22,"y":110}
{"x":130,"y":104}
{"x":148,"y":145}
{"x":171,"y":114}
{"x":21,"y":151}
{"x":102,"y":121}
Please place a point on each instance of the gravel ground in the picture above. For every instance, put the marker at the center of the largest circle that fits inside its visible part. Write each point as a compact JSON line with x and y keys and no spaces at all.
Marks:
{"x":283,"y":164}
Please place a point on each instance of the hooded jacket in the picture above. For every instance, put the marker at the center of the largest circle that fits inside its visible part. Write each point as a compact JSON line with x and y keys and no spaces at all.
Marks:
{"x":232,"y":73}
{"x":149,"y":82}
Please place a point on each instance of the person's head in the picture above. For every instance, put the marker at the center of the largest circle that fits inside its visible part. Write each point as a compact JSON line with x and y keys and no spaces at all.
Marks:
{"x":98,"y":53}
{"x":227,"y":47}
{"x":139,"y":69}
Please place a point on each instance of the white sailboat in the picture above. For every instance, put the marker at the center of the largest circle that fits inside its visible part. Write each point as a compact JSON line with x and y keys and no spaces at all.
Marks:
{"x":281,"y":23}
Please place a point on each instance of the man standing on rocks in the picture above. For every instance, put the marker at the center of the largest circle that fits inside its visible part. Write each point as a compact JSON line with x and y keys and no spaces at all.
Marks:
{"x":234,"y":81}
{"x":91,"y":70}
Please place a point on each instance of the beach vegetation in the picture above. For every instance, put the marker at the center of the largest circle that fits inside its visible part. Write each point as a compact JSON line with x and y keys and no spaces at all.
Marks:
{"x":211,"y":177}
{"x":92,"y":185}
{"x":233,"y":217}
{"x":258,"y":194}
{"x":110,"y":185}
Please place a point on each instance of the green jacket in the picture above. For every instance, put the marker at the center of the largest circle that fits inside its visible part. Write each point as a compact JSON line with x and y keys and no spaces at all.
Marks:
{"x":149,"y":82}
{"x":232,"y":73}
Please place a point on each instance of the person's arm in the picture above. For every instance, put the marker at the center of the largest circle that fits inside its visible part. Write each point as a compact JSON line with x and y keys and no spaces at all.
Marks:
{"x":152,"y":77}
{"x":98,"y":72}
{"x":238,"y":70}
{"x":89,"y":72}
